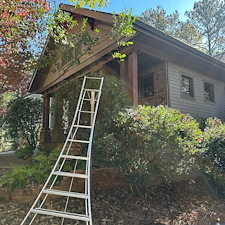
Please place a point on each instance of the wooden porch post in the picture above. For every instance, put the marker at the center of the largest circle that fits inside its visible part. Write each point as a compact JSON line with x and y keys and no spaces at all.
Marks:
{"x":133,"y":77}
{"x":122,"y":71}
{"x":57,"y":132}
{"x":45,"y":136}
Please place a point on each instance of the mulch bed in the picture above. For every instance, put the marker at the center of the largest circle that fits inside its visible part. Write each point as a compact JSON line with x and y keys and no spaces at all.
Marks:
{"x":183,"y":203}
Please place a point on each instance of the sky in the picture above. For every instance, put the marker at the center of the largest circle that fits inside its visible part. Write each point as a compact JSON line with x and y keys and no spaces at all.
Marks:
{"x":139,"y":6}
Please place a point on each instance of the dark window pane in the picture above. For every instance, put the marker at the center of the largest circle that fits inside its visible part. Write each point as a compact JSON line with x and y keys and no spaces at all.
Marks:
{"x":209,"y":95}
{"x":147,"y":86}
{"x":187,"y":86}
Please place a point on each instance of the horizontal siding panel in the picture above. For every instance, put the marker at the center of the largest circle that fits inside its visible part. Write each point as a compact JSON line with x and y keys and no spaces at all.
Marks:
{"x":197,"y":106}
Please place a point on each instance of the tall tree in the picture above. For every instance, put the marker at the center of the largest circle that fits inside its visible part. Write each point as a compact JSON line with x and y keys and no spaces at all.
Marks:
{"x":159,"y":19}
{"x":171,"y":25}
{"x":23,"y":21}
{"x":19,"y":23}
{"x":208,"y":18}
{"x":23,"y":26}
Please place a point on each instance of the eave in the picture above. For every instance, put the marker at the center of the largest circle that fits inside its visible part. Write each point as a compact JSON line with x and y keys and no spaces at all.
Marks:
{"x":174,"y":50}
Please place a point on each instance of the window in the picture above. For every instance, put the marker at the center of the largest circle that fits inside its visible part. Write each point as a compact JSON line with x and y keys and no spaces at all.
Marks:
{"x":147,"y":86}
{"x":209,"y":92}
{"x":187,"y":86}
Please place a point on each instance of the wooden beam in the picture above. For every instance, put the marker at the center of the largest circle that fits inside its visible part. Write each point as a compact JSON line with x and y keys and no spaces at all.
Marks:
{"x":133,"y":77}
{"x":46,"y":112}
{"x":45,"y":136}
{"x":106,"y":17}
{"x":150,"y":51}
{"x":122,"y":71}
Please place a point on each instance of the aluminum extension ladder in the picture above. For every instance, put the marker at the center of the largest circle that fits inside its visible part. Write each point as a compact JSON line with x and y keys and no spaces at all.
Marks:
{"x":83,"y":121}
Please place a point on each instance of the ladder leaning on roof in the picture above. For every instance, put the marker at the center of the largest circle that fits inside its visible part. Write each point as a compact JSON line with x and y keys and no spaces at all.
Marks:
{"x":83,"y":121}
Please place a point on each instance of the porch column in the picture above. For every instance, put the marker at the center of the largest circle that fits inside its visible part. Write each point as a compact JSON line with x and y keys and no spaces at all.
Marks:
{"x":122,"y":71}
{"x":57,"y":132}
{"x":45,"y":136}
{"x":133,"y":77}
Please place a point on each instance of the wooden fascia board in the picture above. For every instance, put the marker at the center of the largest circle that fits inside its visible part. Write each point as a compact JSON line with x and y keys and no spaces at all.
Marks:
{"x":29,"y":88}
{"x":175,"y":43}
{"x":106,"y":17}
{"x":38,"y":72}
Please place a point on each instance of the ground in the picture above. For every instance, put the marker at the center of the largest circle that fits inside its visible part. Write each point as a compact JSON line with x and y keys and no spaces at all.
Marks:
{"x":183,"y":203}
{"x":9,"y":160}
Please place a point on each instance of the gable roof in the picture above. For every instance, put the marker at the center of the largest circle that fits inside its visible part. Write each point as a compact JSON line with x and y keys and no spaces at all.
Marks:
{"x":173,"y":48}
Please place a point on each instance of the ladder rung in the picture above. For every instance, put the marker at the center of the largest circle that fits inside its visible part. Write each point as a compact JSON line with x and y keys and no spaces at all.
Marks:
{"x":94,"y":78}
{"x":95,"y":90}
{"x":86,"y":111}
{"x":74,"y":157}
{"x":66,"y":193}
{"x":56,"y":213}
{"x":82,"y":126}
{"x":88,"y":99}
{"x":67,"y":174}
{"x":79,"y":141}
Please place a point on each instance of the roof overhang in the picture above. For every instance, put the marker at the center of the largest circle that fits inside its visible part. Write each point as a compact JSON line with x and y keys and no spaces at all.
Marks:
{"x":173,"y":48}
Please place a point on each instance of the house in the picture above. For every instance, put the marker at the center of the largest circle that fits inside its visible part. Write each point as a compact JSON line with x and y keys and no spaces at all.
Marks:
{"x":158,"y":69}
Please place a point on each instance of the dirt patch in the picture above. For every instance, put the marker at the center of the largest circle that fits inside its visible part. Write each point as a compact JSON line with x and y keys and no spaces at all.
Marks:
{"x":9,"y":160}
{"x":183,"y":203}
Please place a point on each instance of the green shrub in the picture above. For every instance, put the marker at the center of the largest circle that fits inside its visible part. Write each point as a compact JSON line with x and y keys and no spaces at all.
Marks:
{"x":113,"y":89}
{"x":24,"y":153}
{"x":217,"y":182}
{"x":34,"y":173}
{"x":24,"y":119}
{"x":212,"y":161}
{"x":147,"y":142}
{"x":214,"y":143}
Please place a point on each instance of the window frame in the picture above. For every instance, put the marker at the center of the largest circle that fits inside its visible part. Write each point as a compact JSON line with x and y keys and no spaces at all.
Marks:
{"x":212,"y":91}
{"x":191,"y":79}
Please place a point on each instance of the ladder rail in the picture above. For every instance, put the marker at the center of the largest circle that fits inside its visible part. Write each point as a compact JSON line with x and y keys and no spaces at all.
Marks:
{"x":87,"y":166}
{"x":89,"y":151}
{"x":77,"y":112}
{"x":63,"y":153}
{"x":70,"y":188}
{"x":57,"y":161}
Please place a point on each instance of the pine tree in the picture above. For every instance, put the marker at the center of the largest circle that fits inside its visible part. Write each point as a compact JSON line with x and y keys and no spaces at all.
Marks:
{"x":208,"y":18}
{"x":172,"y":25}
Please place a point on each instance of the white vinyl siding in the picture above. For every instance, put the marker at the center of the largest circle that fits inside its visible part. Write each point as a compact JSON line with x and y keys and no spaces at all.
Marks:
{"x":198,"y":106}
